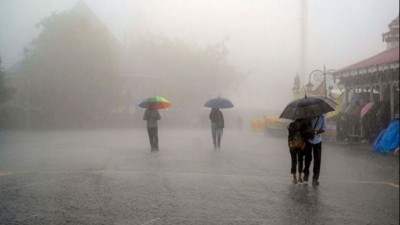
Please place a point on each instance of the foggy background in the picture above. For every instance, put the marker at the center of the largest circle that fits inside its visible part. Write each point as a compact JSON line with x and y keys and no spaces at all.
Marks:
{"x":258,"y":43}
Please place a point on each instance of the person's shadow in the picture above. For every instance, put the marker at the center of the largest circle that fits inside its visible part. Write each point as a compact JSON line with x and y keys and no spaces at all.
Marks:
{"x":303,"y":205}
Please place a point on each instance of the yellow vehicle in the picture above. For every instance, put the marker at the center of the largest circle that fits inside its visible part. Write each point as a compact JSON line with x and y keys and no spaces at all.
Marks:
{"x":275,"y":126}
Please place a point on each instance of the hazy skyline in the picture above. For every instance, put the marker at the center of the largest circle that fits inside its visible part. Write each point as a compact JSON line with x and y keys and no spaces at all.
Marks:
{"x":263,"y":37}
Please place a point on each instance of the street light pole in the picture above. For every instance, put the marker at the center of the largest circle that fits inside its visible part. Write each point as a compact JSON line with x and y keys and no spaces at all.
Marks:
{"x":320,"y":75}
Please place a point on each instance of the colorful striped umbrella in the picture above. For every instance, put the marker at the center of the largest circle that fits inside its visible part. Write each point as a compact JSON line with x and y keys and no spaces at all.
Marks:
{"x":366,"y":108}
{"x":157,"y":102}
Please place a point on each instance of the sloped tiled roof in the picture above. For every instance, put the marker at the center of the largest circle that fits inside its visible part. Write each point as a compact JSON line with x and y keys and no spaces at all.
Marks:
{"x":395,"y":21}
{"x":388,"y":56}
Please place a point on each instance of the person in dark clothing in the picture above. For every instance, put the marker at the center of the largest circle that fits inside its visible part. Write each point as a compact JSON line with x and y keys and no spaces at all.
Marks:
{"x":297,"y":142}
{"x":217,"y":126}
{"x":341,"y":127}
{"x":381,"y":118}
{"x":313,"y":148}
{"x":152,"y":115}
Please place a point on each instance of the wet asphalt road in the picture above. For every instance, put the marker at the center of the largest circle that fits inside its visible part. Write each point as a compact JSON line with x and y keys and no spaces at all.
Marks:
{"x":111,"y":177}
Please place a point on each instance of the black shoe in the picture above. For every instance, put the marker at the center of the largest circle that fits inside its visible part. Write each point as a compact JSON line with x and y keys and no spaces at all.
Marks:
{"x":305,"y":178}
{"x":315,"y":183}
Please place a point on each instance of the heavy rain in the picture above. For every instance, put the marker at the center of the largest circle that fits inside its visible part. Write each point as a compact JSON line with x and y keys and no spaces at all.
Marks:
{"x":199,"y":112}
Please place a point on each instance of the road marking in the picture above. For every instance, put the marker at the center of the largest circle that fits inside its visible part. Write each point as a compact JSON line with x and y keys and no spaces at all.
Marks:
{"x":394,"y":185}
{"x":258,"y":176}
{"x":366,"y":182}
{"x":4,"y":173}
{"x":28,"y":217}
{"x":151,"y":221}
{"x":29,"y":185}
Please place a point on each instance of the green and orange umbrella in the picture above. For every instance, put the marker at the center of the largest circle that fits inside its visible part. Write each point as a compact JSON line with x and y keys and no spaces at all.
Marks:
{"x":157,"y":102}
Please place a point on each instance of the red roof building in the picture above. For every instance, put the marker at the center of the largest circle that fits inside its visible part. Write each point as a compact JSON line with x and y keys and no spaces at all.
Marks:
{"x":376,"y":74}
{"x":392,"y":36}
{"x":384,"y":58}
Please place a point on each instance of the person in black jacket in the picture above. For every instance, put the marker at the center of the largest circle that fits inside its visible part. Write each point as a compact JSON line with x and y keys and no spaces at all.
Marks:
{"x":217,"y":126}
{"x":152,"y":115}
{"x":297,"y":142}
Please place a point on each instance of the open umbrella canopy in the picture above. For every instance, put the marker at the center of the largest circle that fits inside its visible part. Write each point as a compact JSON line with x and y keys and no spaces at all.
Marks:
{"x":221,"y":103}
{"x":157,"y":102}
{"x":306,"y":107}
{"x":330,"y":101}
{"x":366,"y":108}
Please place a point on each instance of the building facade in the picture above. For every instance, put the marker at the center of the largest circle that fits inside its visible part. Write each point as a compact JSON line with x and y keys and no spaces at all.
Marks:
{"x":376,"y":74}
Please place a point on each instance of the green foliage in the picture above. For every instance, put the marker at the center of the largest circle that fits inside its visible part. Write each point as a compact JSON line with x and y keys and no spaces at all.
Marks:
{"x":70,"y":70}
{"x":5,"y":92}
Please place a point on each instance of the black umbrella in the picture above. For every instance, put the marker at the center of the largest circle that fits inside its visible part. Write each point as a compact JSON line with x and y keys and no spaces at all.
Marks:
{"x":328,"y":100}
{"x":306,"y":107}
{"x":219,"y":102}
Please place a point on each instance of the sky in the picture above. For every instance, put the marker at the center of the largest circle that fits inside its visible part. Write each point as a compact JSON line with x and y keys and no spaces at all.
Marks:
{"x":263,"y":36}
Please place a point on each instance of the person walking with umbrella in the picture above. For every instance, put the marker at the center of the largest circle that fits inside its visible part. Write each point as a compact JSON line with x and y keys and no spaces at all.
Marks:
{"x":311,"y":109}
{"x":151,"y":115}
{"x":297,"y":143}
{"x":217,"y":118}
{"x":217,"y":126}
{"x":313,"y":148}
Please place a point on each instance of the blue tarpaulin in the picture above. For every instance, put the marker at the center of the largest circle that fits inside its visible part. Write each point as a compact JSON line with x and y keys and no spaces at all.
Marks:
{"x":388,"y":139}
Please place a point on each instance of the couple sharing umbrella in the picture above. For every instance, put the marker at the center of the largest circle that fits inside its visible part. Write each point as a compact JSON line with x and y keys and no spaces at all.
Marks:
{"x":308,"y":107}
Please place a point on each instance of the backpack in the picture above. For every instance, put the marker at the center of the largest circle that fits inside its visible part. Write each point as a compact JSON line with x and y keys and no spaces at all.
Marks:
{"x":295,"y":138}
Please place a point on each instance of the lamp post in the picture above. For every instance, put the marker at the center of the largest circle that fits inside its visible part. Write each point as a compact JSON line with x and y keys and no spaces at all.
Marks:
{"x":319,"y":76}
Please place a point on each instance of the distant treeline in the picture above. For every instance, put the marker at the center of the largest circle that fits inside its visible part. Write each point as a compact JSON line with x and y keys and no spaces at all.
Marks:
{"x":76,"y":74}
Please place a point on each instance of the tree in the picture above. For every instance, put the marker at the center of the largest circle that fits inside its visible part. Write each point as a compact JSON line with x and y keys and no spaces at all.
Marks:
{"x":5,"y":92}
{"x":71,"y":68}
{"x":188,"y":75}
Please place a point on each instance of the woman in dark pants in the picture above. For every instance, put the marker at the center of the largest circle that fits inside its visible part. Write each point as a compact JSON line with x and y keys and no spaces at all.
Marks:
{"x":297,"y":142}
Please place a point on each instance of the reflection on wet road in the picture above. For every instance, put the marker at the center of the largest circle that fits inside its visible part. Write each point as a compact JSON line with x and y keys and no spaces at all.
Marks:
{"x":111,"y":177}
